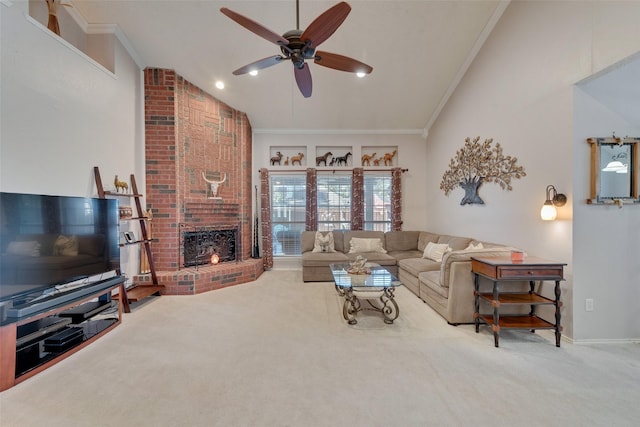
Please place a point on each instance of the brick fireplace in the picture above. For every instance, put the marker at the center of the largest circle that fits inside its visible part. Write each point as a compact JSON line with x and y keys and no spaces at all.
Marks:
{"x":189,"y":133}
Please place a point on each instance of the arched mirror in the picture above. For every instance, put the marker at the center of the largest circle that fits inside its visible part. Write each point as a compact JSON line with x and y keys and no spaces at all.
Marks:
{"x":614,"y":170}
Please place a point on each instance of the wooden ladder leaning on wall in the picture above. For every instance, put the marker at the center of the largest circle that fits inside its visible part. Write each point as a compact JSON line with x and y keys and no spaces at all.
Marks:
{"x":136,"y":292}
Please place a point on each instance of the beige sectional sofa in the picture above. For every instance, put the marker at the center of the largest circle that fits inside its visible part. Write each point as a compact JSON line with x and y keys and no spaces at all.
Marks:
{"x":446,"y":286}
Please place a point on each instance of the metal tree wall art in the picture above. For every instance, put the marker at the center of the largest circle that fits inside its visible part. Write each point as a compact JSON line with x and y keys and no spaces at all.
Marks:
{"x":476,"y":163}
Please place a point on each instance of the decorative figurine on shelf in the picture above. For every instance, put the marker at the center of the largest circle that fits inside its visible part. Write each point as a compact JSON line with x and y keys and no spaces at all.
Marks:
{"x":286,"y":161}
{"x":323,"y":159}
{"x":342,"y":160}
{"x":52,"y":23}
{"x":297,"y":159}
{"x":125,"y":212}
{"x":276,"y":159}
{"x":359,"y":266}
{"x":214,"y":186}
{"x":388,"y":158}
{"x":366,"y":159}
{"x":376,"y":162}
{"x":120,"y":184}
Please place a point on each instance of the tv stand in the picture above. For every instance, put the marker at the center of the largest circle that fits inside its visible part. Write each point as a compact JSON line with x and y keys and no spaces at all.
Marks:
{"x":34,"y":342}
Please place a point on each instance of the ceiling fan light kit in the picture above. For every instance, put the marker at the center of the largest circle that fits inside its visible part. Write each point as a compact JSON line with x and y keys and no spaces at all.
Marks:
{"x":299,"y":46}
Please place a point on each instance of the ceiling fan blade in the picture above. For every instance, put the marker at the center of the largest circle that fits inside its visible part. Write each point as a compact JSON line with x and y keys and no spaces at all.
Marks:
{"x":341,"y":63}
{"x":259,"y":64}
{"x":303,"y":79}
{"x":255,"y":27}
{"x":326,"y":24}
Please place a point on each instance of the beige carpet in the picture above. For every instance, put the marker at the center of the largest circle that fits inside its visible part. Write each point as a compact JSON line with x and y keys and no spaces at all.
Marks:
{"x":276,"y":352}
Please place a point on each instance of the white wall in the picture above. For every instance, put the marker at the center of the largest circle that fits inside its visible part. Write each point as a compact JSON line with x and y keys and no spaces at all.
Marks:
{"x":519,"y":91}
{"x":62,"y":114}
{"x":606,"y":244}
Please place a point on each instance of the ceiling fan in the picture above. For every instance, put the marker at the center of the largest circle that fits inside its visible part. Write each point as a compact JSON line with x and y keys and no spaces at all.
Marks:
{"x":298,"y":46}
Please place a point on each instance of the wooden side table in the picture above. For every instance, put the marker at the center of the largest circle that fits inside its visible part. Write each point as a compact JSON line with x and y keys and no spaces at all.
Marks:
{"x":503,"y":272}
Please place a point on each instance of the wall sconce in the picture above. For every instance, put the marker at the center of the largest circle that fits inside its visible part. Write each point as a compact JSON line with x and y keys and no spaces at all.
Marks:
{"x":548,"y":211}
{"x":215,"y":259}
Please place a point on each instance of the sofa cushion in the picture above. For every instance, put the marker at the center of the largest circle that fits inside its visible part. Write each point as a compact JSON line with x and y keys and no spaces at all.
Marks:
{"x":322,"y":259}
{"x":401,"y":240}
{"x":435,"y":251}
{"x":456,"y":243}
{"x":398,"y":255}
{"x":362,"y":234}
{"x":415,"y":266}
{"x":24,"y":248}
{"x":46,"y":241}
{"x":307,"y":240}
{"x":426,"y":237}
{"x":91,"y":244}
{"x":474,"y":246}
{"x":66,"y":246}
{"x":324,"y":242}
{"x":338,"y":240}
{"x":488,"y":244}
{"x":362,"y":245}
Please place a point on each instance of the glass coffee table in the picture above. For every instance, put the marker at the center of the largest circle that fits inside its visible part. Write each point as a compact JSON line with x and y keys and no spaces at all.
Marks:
{"x":376,"y":289}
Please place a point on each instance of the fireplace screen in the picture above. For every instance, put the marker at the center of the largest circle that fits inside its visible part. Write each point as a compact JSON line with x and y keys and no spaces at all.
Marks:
{"x":201,"y":244}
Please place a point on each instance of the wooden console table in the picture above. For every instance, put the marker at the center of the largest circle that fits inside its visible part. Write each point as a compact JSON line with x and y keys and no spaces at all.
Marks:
{"x":504,"y":272}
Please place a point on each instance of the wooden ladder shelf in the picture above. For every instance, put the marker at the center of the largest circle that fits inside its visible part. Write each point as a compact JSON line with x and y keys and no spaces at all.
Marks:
{"x":136,"y":292}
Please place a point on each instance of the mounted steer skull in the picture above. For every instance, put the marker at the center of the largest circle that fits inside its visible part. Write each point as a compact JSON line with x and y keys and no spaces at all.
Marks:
{"x":214,"y":185}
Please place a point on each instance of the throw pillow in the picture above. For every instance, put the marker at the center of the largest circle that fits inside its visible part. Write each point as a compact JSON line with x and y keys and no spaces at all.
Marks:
{"x":473,"y":247}
{"x":435,"y":251}
{"x":66,"y":246}
{"x":366,"y":245}
{"x":30,"y":248}
{"x":324,"y":243}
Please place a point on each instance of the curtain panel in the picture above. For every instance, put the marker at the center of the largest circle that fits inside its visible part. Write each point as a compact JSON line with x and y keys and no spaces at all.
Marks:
{"x":357,"y":199}
{"x":396,"y":199}
{"x":311,"y":218}
{"x":265,"y":219}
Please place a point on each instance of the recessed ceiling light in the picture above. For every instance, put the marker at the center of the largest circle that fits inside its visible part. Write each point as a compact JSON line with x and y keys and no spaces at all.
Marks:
{"x":253,"y":72}
{"x":220,"y":84}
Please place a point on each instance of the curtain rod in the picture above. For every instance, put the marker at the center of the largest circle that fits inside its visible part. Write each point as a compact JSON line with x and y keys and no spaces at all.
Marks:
{"x":334,"y":170}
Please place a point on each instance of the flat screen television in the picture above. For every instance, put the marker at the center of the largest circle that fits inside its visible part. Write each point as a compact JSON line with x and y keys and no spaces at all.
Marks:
{"x":49,"y":244}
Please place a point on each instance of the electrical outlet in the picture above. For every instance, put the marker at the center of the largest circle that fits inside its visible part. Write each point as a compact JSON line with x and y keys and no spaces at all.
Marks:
{"x":588,"y":304}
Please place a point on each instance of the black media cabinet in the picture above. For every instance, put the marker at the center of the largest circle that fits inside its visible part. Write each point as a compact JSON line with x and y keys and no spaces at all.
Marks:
{"x":33,"y":343}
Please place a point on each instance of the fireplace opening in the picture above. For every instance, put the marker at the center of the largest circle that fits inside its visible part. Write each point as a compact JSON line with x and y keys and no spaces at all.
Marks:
{"x":204,"y":244}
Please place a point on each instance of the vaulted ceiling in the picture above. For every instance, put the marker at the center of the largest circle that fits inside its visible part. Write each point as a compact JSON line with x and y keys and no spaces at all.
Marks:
{"x":419,"y":50}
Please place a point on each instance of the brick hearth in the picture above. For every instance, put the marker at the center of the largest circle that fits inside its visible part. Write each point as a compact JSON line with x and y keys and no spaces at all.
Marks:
{"x":189,"y":132}
{"x":206,"y":278}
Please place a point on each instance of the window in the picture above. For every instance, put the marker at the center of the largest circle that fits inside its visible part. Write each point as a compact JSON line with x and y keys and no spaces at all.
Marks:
{"x":334,"y":202}
{"x":334,"y":198}
{"x":377,"y":201}
{"x":288,"y":211}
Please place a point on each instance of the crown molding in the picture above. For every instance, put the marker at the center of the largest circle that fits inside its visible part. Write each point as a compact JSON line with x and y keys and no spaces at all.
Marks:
{"x":339,"y":131}
{"x":7,"y":3}
{"x":106,"y":29}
